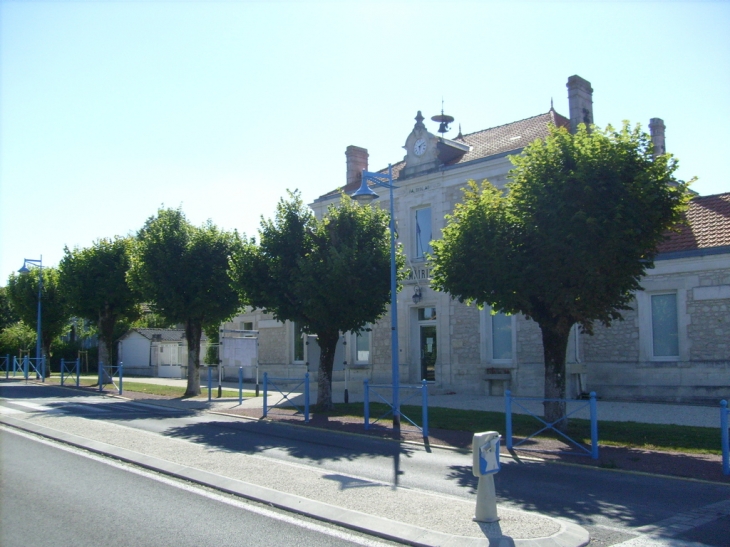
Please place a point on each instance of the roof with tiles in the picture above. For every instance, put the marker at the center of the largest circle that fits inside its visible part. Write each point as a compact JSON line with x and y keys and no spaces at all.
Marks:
{"x":503,"y":139}
{"x":706,"y":225}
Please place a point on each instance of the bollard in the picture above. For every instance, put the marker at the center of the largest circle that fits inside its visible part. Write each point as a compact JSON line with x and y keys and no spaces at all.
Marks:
{"x":367,"y":403}
{"x":210,"y":383}
{"x":485,"y":462}
{"x":121,"y":378}
{"x":101,"y":374}
{"x":724,"y":440}
{"x":508,"y":418}
{"x":240,"y":385}
{"x":63,"y":368}
{"x":424,"y":404}
{"x":594,"y":426}
{"x":43,"y":369}
{"x":306,"y":398}
{"x":266,"y":388}
{"x":78,"y":370}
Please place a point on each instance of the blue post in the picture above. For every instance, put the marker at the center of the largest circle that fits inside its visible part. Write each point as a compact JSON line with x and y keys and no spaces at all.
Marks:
{"x":306,"y":398}
{"x":424,"y":403}
{"x":15,"y":365}
{"x":724,"y":436}
{"x":7,"y":366}
{"x":508,"y":418}
{"x":367,"y":404}
{"x":594,"y":426}
{"x":78,"y":370}
{"x":266,"y":392}
{"x":43,"y":369}
{"x":63,"y":368}
{"x":240,"y":385}
{"x":101,"y":375}
{"x":121,"y":378}
{"x":210,"y":384}
{"x":26,"y":365}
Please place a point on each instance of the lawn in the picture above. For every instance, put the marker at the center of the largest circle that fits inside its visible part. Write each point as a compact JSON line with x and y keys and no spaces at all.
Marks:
{"x":700,"y":440}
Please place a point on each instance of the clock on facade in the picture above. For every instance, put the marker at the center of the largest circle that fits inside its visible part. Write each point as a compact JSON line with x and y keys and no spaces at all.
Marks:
{"x":420,"y":147}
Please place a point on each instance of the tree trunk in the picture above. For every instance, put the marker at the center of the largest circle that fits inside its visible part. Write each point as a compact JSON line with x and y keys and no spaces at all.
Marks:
{"x":193,"y":333}
{"x":327,"y":346}
{"x":106,"y":334}
{"x":555,"y":343}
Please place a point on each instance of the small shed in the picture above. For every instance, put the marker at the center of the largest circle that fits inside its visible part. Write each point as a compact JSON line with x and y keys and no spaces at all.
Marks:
{"x":156,"y":352}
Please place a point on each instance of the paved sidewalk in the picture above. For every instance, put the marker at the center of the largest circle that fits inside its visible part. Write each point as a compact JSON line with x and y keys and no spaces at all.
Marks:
{"x":381,"y":509}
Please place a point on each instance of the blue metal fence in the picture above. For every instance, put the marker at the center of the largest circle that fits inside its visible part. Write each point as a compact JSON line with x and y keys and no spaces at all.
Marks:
{"x":275,"y":383}
{"x":724,"y":437}
{"x":106,"y":376}
{"x":70,"y":369}
{"x":583,"y":451}
{"x":422,"y":387}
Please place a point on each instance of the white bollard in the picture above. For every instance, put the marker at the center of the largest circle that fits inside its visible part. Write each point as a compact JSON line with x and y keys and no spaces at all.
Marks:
{"x":485,"y":462}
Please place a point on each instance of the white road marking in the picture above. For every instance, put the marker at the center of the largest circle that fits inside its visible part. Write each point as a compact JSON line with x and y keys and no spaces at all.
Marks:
{"x":339,"y":534}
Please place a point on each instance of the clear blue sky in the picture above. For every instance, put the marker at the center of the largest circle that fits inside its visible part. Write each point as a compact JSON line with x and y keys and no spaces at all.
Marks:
{"x":110,"y":109}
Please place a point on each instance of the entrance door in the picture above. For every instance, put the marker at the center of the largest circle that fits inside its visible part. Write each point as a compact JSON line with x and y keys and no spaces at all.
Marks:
{"x":428,"y":352}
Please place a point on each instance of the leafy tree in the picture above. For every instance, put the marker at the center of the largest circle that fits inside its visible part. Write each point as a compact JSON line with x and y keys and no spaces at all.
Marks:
{"x":330,"y":276}
{"x":8,"y":316}
{"x":17,"y":336}
{"x":183,"y":272}
{"x":570,"y":240}
{"x":93,"y":281}
{"x":23,"y":295}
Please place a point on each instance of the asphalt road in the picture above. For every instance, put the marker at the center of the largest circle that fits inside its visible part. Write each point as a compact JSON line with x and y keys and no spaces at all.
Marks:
{"x":52,"y":496}
{"x":611,"y":505}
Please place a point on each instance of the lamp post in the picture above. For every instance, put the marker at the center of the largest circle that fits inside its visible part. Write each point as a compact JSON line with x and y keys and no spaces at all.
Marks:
{"x":364,"y":195}
{"x":24,"y":270}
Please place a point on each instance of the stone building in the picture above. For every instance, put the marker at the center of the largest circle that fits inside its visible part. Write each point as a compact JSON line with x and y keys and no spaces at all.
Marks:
{"x":672,"y":346}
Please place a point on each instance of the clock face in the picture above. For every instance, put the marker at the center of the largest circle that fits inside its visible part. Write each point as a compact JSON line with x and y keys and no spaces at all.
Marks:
{"x":420,"y":147}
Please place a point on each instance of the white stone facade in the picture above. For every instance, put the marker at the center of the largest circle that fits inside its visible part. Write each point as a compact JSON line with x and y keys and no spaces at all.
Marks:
{"x":478,"y":352}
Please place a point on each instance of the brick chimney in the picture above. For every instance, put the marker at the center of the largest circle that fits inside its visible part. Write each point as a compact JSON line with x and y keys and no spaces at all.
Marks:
{"x":656,"y":130}
{"x":357,"y":160}
{"x":580,"y":102}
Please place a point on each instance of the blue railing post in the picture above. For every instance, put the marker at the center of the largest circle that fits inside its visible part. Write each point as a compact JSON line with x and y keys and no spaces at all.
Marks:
{"x":240,"y":385}
{"x":594,"y":426}
{"x":266,"y":392}
{"x":101,"y":376}
{"x":43,"y":369}
{"x":78,"y":370}
{"x":424,"y":403}
{"x":210,"y":384}
{"x":306,"y":398}
{"x":724,"y":438}
{"x":15,"y":365}
{"x":367,"y":404}
{"x":121,"y":378}
{"x":63,"y":368}
{"x":508,"y":418}
{"x":7,"y":366}
{"x":26,"y":366}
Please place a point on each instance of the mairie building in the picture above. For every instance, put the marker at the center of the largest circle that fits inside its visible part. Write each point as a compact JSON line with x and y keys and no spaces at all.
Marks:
{"x":674,"y":345}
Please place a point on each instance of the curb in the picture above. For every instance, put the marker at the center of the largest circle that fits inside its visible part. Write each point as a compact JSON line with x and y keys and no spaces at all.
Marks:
{"x":569,"y":535}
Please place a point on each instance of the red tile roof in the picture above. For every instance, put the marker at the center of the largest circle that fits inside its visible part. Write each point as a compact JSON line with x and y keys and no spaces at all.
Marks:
{"x":706,"y":225}
{"x":511,"y":137}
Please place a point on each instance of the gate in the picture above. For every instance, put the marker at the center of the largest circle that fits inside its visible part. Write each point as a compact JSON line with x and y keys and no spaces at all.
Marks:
{"x":69,"y":369}
{"x":106,"y":376}
{"x":415,"y":389}
{"x":276,"y":382}
{"x":583,"y":451}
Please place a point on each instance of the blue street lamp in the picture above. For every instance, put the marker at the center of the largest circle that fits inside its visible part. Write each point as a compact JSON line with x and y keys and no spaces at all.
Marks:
{"x":365,"y":196}
{"x":24,"y":270}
